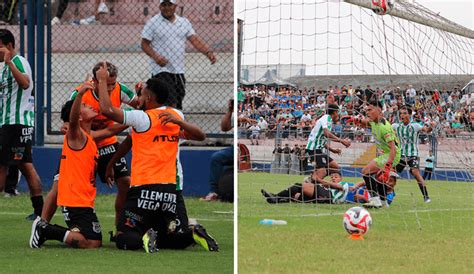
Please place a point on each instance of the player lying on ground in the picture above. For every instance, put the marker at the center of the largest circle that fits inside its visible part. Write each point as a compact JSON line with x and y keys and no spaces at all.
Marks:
{"x":76,"y":186}
{"x":318,"y":139}
{"x":50,"y":205}
{"x":408,"y":133}
{"x":149,"y":216}
{"x":321,"y":191}
{"x":377,"y":173}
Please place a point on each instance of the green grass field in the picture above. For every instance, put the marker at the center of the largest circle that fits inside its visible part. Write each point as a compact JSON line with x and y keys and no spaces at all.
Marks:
{"x":55,"y":257}
{"x":408,"y":237}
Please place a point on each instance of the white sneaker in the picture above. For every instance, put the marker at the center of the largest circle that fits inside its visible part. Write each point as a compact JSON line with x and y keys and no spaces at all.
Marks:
{"x":55,"y":21}
{"x":427,"y":201}
{"x":102,"y":8}
{"x":87,"y":21}
{"x":374,"y":202}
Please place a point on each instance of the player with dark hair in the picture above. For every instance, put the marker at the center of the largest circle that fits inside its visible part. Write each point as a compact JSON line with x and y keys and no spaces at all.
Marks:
{"x":318,"y":147}
{"x":376,"y":174}
{"x":119,"y":93}
{"x":408,"y":134}
{"x":149,"y":216}
{"x":76,"y":186}
{"x":50,"y":204}
{"x":187,"y":234}
{"x":17,"y":118}
{"x":321,"y":191}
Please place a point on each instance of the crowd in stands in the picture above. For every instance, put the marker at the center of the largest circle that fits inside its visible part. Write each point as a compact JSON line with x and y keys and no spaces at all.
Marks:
{"x":294,"y":111}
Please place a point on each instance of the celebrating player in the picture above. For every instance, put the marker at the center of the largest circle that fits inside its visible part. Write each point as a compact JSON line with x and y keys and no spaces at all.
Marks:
{"x":408,"y":134}
{"x":50,"y":202}
{"x":386,"y":140}
{"x":186,"y":234}
{"x":318,"y":147}
{"x":149,"y":216}
{"x":119,"y":94}
{"x":76,"y":186}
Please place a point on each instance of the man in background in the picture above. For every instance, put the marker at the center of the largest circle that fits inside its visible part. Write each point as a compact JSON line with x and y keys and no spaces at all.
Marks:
{"x":164,"y":41}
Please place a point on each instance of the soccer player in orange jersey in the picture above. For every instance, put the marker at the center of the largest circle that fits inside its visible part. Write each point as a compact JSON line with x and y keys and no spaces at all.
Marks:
{"x":118,"y":93}
{"x":76,"y":186}
{"x":149,"y":215}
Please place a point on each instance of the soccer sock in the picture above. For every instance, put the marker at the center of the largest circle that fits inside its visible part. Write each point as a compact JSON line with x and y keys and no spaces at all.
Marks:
{"x":54,"y":232}
{"x":37,"y":202}
{"x":374,"y":186}
{"x":129,"y":241}
{"x":176,"y":240}
{"x":423,"y":190}
{"x":370,"y":185}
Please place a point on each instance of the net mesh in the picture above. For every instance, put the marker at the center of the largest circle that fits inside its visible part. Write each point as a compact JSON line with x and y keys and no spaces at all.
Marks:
{"x":298,"y":56}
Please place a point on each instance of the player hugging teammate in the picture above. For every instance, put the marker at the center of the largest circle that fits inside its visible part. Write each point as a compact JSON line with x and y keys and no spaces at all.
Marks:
{"x":154,"y":206}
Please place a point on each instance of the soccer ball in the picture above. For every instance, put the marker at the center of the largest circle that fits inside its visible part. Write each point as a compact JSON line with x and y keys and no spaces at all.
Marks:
{"x":357,"y":220}
{"x":382,"y":7}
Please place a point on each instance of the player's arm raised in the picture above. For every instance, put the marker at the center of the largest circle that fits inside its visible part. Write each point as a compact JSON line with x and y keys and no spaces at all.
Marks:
{"x":74,"y":135}
{"x":360,"y":121}
{"x":106,"y":107}
{"x":191,"y":132}
{"x":22,"y":79}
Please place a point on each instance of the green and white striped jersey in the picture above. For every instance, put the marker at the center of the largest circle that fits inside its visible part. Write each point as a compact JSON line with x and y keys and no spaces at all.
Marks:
{"x":17,"y":105}
{"x":409,"y":138}
{"x":317,"y":139}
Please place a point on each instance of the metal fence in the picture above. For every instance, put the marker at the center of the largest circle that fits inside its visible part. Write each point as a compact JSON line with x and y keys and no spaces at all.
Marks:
{"x":89,"y":31}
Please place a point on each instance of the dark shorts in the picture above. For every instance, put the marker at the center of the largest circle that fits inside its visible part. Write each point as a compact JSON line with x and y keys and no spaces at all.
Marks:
{"x":321,"y":158}
{"x":105,"y":155}
{"x":150,"y":206}
{"x":321,"y":195}
{"x":178,"y":85}
{"x":83,"y":220}
{"x":182,"y":222}
{"x":15,"y":144}
{"x":412,"y":162}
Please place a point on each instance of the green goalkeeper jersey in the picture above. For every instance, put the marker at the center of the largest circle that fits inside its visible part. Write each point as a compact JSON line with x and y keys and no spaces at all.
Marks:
{"x":383,"y":134}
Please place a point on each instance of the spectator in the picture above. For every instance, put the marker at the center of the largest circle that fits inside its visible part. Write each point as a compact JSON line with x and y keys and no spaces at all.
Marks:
{"x":221,"y":158}
{"x":163,"y":40}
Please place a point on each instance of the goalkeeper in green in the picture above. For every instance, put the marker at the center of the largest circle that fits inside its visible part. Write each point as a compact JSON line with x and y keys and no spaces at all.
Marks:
{"x":376,"y":174}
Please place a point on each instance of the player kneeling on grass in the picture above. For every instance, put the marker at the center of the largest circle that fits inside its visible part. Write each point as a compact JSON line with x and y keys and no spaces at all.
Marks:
{"x":149,"y":216}
{"x":76,"y":186}
{"x":321,"y":191}
{"x":50,"y":202}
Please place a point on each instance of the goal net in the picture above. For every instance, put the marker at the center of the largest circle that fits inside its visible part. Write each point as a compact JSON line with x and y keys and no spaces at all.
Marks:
{"x":296,"y":56}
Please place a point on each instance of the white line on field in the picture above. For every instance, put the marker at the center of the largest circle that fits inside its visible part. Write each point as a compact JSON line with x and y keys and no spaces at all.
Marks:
{"x":381,"y":211}
{"x":113,"y":216}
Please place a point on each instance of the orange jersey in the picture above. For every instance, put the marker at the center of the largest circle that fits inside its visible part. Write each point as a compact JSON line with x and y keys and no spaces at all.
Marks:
{"x":76,"y":186}
{"x":154,"y":152}
{"x":119,"y":94}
